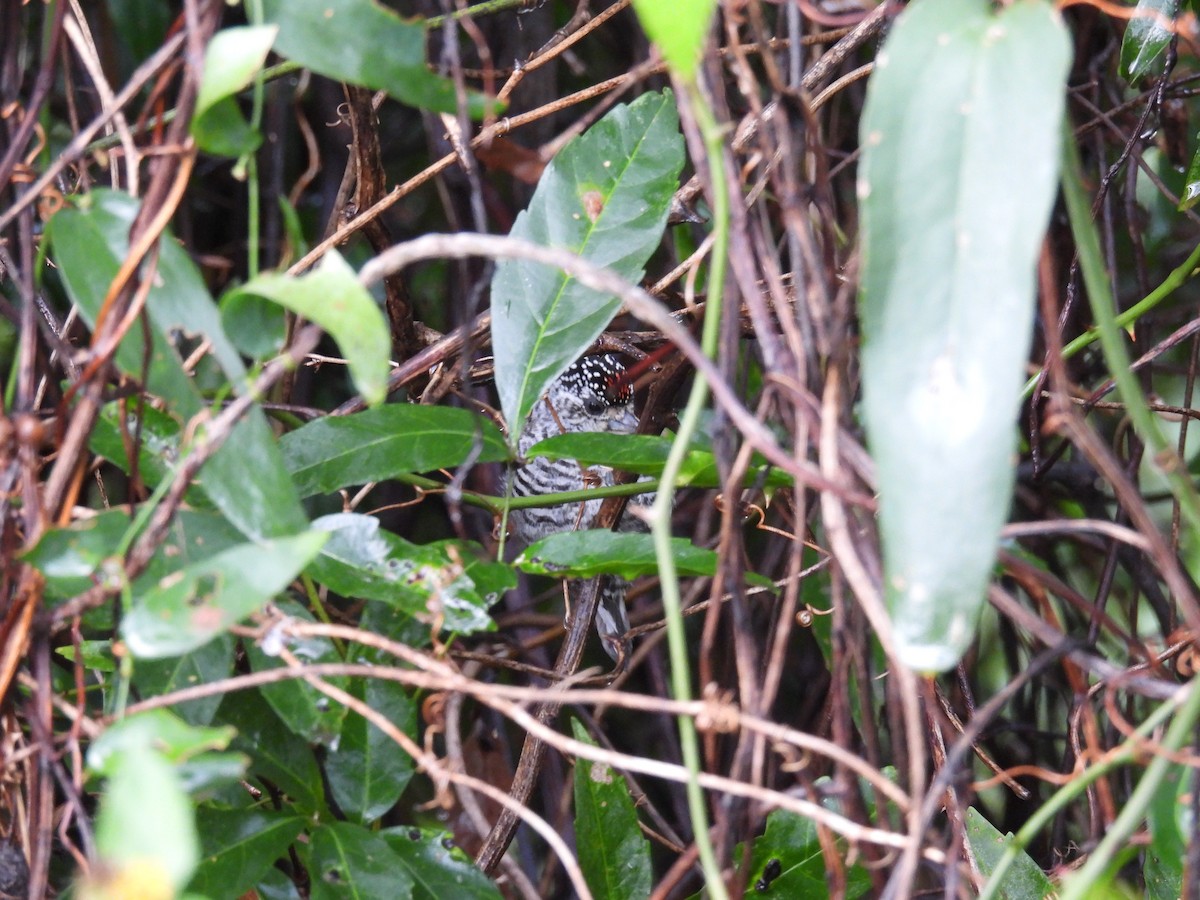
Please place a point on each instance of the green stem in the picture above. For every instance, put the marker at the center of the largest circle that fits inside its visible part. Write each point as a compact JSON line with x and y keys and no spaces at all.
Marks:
{"x":1163,"y":456}
{"x":499,"y":504}
{"x":250,"y":160}
{"x":479,"y":9}
{"x":1045,"y":813}
{"x":1085,"y":882}
{"x":660,"y":519}
{"x":1177,"y":279}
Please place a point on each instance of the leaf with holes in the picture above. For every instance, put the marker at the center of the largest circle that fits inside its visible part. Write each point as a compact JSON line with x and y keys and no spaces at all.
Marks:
{"x":188,"y":608}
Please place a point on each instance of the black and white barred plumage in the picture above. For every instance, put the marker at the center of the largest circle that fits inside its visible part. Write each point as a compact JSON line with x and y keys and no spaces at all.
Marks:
{"x":592,"y":395}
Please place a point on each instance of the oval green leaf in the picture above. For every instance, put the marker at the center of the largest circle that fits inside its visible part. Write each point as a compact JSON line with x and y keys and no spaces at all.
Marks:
{"x":1150,"y":30}
{"x":331,"y":296}
{"x":231,"y":60}
{"x":960,"y":138}
{"x":605,"y":197}
{"x":187,"y":608}
{"x":613,"y":853}
{"x":679,"y":29}
{"x":363,"y":42}
{"x":387,"y":442}
{"x":429,"y":582}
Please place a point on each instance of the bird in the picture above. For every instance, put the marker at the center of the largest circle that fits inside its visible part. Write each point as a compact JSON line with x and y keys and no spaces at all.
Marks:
{"x":593,"y":395}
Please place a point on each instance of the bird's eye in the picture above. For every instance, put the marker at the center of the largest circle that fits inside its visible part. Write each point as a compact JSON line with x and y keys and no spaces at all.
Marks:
{"x":594,"y":406}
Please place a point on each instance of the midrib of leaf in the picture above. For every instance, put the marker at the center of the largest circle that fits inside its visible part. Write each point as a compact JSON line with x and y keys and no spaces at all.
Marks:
{"x":581,"y":251}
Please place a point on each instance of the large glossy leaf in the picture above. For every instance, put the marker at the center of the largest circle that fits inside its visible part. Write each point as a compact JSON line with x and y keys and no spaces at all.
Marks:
{"x":429,"y":582}
{"x":367,"y":770}
{"x":239,"y":846}
{"x":1024,"y":880}
{"x":605,"y":196}
{"x":188,"y":608}
{"x":960,"y":140}
{"x":89,"y":243}
{"x":381,"y":443}
{"x":231,"y":60}
{"x":348,"y":862}
{"x":331,"y":296}
{"x":204,"y":665}
{"x":585,"y":554}
{"x":1146,"y":38}
{"x":308,"y":713}
{"x":613,"y":853}
{"x":363,"y":42}
{"x":276,"y":755}
{"x":439,"y":870}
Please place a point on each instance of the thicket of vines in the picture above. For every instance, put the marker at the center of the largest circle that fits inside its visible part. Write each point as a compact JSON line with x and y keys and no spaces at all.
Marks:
{"x":258,"y":631}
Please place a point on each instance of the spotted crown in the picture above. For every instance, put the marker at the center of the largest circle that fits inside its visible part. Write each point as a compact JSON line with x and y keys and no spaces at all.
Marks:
{"x":603,"y":375}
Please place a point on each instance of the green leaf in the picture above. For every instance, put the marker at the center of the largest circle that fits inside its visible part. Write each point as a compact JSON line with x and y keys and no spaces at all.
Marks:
{"x":348,"y":862}
{"x":1024,"y":880}
{"x":72,"y":559}
{"x":158,"y":451}
{"x":330,"y":295}
{"x":1190,"y":195}
{"x":605,"y":196}
{"x":644,"y":454}
{"x":187,"y":608}
{"x":1147,"y":35}
{"x":204,"y":665}
{"x":89,"y":243}
{"x":153,"y":842}
{"x":439,"y":870}
{"x":1169,"y":818}
{"x":276,"y":755}
{"x":239,"y":846}
{"x":613,"y":853}
{"x":256,"y":325}
{"x":168,"y":734}
{"x":231,"y":60}
{"x":787,"y":861}
{"x":426,"y":582}
{"x":961,"y":135}
{"x":307,"y":712}
{"x":96,"y":655}
{"x":586,"y":554}
{"x":363,"y":42}
{"x":386,"y":442}
{"x":368,"y":771}
{"x":679,"y":29}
